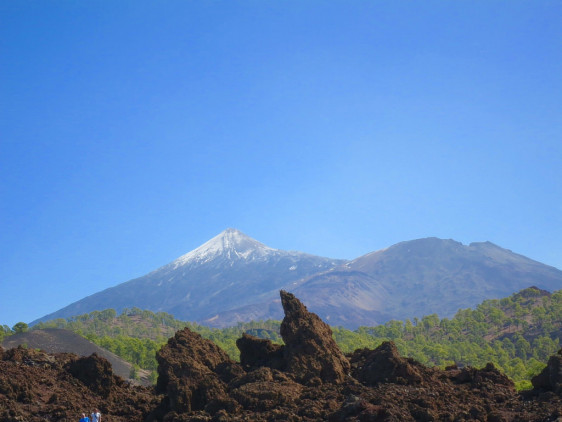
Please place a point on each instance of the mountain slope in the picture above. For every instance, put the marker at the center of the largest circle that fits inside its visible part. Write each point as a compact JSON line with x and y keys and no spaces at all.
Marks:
{"x":411,"y":278}
{"x":234,"y":278}
{"x":440,"y":276}
{"x":228,"y":271}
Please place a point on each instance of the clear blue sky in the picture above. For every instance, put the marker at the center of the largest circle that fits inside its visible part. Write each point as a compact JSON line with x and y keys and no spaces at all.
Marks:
{"x":133,"y":131}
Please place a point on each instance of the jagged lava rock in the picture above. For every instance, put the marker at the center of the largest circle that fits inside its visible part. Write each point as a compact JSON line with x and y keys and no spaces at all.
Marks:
{"x":257,"y":352}
{"x":384,"y":364}
{"x":488,"y":378}
{"x":310,"y":352}
{"x":36,"y":387}
{"x":550,"y":379}
{"x":265,"y":389}
{"x":95,"y":372}
{"x":192,"y":373}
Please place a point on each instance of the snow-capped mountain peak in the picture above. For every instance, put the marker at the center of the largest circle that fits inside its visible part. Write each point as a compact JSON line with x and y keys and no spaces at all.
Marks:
{"x":230,"y":244}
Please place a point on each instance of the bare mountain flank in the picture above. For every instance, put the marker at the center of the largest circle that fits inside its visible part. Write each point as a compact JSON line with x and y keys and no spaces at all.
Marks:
{"x":234,"y":278}
{"x":407,"y":280}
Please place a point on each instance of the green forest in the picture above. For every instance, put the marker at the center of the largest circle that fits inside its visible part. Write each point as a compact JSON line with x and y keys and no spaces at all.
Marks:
{"x":517,"y":334}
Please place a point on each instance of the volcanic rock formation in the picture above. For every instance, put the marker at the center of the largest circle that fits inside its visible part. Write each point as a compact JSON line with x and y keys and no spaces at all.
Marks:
{"x":384,"y":364}
{"x":193,"y":374}
{"x":550,"y":379}
{"x":311,"y":354}
{"x":36,"y":386}
{"x":306,"y":379}
{"x":309,"y":379}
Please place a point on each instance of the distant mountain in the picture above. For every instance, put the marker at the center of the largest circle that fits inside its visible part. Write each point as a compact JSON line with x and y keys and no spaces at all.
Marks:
{"x":440,"y":276}
{"x":234,"y":278}
{"x":409,"y":279}
{"x":230,"y":270}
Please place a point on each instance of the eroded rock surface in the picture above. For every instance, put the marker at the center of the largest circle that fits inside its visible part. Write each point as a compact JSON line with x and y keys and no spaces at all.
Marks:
{"x":95,"y":373}
{"x":257,"y":352}
{"x":193,"y":373}
{"x":384,"y":364}
{"x":38,"y":387}
{"x":306,"y":379}
{"x":310,"y":353}
{"x":550,"y":379}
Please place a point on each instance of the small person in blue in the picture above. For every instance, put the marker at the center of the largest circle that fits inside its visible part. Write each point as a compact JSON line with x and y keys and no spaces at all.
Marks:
{"x":84,"y":418}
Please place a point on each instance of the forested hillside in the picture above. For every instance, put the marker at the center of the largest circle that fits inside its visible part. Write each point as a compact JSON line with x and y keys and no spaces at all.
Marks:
{"x":517,"y":334}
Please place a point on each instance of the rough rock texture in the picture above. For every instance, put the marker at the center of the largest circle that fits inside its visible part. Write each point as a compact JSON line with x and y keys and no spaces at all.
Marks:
{"x":310,"y":353}
{"x":193,"y":373}
{"x":198,"y":382}
{"x":384,"y":364}
{"x":309,"y":379}
{"x":36,"y":386}
{"x":256,"y":352}
{"x":56,"y":340}
{"x":94,"y":372}
{"x":488,"y":378}
{"x":550,"y":379}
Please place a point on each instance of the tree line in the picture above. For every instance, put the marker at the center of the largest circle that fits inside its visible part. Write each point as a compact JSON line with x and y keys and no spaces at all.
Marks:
{"x":517,"y":334}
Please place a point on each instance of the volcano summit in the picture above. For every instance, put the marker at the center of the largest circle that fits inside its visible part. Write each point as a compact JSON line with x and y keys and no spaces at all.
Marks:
{"x":229,"y":271}
{"x":233,"y":278}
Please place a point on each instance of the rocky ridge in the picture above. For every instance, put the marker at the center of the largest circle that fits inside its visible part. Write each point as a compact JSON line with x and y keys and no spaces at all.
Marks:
{"x":306,"y":379}
{"x":36,"y":386}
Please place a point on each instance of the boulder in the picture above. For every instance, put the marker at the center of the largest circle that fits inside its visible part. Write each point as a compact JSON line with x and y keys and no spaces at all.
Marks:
{"x":95,"y":372}
{"x":384,"y":364}
{"x":550,"y":379}
{"x":257,"y":352}
{"x":489,"y":378}
{"x":310,"y":353}
{"x":193,"y":372}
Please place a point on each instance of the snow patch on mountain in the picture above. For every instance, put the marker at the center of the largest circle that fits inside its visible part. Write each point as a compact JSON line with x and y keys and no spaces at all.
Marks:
{"x":231,"y":244}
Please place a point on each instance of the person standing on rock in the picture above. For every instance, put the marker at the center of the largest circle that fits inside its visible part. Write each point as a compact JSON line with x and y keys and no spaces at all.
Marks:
{"x":84,"y":418}
{"x":96,"y":416}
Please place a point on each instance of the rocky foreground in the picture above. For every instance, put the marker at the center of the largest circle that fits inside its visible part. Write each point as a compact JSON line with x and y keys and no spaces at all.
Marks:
{"x":306,"y":379}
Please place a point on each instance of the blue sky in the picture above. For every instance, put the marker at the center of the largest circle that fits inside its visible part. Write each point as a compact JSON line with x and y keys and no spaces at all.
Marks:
{"x":133,"y":131}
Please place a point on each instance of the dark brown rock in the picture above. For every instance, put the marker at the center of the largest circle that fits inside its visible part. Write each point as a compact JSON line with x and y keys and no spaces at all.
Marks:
{"x":488,"y":377}
{"x":193,"y":372}
{"x":256,"y":352}
{"x":263,"y":374}
{"x":266,"y":395}
{"x":36,"y":386}
{"x":550,"y":379}
{"x":31,"y":357}
{"x":94,"y":372}
{"x":384,"y":364}
{"x":310,"y":352}
{"x":200,"y":383}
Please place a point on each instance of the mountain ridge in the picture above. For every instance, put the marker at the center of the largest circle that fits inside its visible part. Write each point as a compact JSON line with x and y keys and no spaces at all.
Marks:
{"x":222,"y":273}
{"x":233,"y":278}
